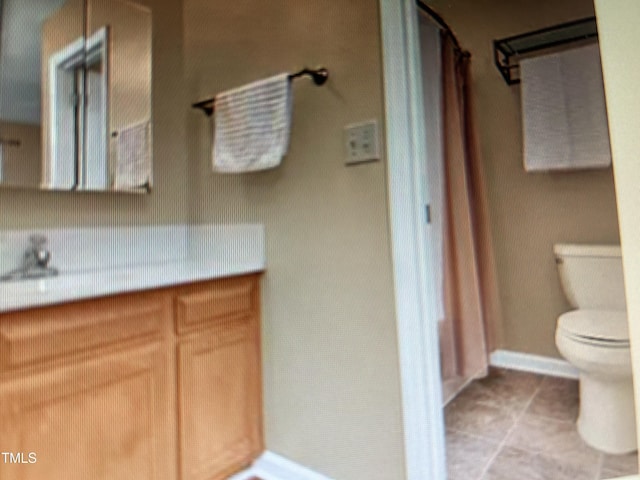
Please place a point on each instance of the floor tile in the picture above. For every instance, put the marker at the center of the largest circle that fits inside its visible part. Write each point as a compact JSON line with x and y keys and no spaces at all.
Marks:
{"x":514,"y":425}
{"x":467,"y":456}
{"x":608,"y":475}
{"x":504,"y":389}
{"x":466,"y":415}
{"x":617,"y":465}
{"x":556,"y":438}
{"x":512,"y":463}
{"x":557,"y":398}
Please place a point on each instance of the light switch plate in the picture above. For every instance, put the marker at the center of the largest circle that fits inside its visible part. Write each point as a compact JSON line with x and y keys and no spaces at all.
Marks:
{"x":362,"y":142}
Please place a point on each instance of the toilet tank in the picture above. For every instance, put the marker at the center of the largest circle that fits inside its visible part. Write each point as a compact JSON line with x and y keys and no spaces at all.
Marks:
{"x":591,"y":276}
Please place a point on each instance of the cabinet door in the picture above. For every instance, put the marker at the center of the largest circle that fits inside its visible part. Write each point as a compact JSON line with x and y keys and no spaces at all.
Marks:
{"x":103,"y":419}
{"x":219,"y":400}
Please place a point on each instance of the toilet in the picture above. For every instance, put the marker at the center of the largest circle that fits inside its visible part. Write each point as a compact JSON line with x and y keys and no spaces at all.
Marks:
{"x":595,"y":339}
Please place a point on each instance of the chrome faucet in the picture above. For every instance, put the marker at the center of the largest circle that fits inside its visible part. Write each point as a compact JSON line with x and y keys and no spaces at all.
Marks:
{"x":35,"y":262}
{"x":36,"y":256}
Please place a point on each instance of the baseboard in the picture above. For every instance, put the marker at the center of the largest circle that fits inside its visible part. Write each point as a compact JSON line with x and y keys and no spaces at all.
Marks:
{"x":244,"y":475}
{"x":271,"y":466}
{"x":528,"y":362}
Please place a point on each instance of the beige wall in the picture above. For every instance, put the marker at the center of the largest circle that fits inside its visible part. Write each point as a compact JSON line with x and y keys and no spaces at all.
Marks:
{"x":129,"y":71}
{"x":20,"y":165}
{"x":529,"y":212}
{"x":168,"y":202}
{"x":331,"y":376}
{"x":130,"y":66}
{"x":619,"y":36}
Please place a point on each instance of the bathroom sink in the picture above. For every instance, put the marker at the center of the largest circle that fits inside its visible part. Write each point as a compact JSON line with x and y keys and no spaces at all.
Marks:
{"x":19,"y":285}
{"x":56,"y":284}
{"x":29,"y":274}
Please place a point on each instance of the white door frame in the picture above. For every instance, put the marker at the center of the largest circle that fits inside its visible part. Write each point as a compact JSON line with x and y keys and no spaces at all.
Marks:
{"x":95,"y":171}
{"x":415,"y":295}
{"x":60,"y":163}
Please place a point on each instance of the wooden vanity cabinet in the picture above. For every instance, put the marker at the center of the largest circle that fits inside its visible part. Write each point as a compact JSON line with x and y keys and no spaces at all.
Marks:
{"x":219,"y":385}
{"x":101,"y":419}
{"x":85,"y":387}
{"x":125,"y":387}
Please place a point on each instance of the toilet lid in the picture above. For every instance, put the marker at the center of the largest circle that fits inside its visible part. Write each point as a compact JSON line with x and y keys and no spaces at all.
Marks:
{"x":597,"y":325}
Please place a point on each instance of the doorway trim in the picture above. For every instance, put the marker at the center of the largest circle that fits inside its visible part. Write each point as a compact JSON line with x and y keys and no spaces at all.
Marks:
{"x":415,"y":294}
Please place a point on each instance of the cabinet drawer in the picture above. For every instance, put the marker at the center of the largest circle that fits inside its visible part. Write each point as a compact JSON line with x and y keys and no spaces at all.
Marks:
{"x":203,"y":305}
{"x":49,"y":334}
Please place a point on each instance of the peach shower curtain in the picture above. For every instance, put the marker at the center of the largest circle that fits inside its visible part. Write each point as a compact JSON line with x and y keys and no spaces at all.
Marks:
{"x":471,"y":306}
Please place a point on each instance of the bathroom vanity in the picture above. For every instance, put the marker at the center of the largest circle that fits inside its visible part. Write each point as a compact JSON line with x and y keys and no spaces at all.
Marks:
{"x":159,"y":382}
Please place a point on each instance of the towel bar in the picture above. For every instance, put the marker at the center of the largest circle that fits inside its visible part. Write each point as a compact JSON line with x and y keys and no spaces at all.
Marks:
{"x":319,"y":77}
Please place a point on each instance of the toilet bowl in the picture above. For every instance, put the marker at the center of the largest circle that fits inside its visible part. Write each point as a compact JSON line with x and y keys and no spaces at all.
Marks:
{"x":594,"y":338}
{"x":596,"y":342}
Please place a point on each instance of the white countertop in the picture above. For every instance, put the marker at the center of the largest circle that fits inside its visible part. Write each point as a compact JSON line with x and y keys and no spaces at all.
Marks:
{"x":207,"y":252}
{"x":64,"y":288}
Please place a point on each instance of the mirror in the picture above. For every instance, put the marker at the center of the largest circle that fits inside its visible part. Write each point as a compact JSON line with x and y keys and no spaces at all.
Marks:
{"x":75,"y":95}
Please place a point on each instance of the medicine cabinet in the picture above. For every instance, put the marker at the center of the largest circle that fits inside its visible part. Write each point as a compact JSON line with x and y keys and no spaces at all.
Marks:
{"x":75,"y":95}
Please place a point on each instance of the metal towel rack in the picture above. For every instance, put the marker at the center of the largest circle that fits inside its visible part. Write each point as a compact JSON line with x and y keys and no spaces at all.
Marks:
{"x":507,"y":51}
{"x":319,"y":77}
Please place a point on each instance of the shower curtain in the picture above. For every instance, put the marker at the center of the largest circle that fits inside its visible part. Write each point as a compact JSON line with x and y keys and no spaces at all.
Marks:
{"x":470,"y":299}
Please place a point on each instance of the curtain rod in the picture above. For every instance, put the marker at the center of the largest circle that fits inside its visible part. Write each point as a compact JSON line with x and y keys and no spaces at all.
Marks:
{"x":441,"y":23}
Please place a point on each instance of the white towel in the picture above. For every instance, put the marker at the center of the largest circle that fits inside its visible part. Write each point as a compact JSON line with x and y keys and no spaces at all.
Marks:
{"x":133,"y":166}
{"x":564,"y":115}
{"x":251,"y":125}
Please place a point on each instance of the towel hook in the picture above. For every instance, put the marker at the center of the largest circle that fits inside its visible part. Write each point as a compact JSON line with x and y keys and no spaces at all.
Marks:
{"x":319,"y":76}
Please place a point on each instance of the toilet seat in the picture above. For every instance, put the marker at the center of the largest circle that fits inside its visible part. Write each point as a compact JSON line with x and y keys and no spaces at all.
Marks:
{"x":604,"y":328}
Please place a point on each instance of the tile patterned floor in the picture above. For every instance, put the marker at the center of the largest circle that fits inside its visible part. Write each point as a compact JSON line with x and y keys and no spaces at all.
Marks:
{"x":520,"y":425}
